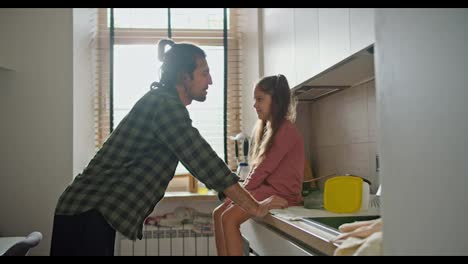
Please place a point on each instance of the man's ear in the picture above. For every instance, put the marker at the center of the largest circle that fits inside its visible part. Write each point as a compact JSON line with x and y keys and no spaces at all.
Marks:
{"x":186,"y":76}
{"x":182,"y":78}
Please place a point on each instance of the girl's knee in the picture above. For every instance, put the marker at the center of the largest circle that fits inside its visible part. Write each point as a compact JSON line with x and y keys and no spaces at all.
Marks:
{"x":230,"y":219}
{"x":228,"y":222}
{"x":218,"y":212}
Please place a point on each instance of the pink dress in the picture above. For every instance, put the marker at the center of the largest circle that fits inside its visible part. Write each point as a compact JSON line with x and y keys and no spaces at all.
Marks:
{"x":281,"y":173}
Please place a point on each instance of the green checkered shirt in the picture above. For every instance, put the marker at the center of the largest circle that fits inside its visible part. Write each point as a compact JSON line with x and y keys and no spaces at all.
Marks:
{"x":130,"y":173}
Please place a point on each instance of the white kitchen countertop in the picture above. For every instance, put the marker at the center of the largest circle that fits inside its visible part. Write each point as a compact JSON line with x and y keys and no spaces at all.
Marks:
{"x":289,"y":221}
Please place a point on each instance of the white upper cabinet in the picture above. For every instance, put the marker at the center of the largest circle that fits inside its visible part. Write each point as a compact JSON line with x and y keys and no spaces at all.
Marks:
{"x":302,"y":42}
{"x":333,"y":35}
{"x":278,"y":43}
{"x":306,"y":43}
{"x":361,"y":22}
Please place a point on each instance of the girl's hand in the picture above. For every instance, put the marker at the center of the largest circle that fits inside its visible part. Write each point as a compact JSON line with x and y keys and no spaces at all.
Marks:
{"x":272,"y":202}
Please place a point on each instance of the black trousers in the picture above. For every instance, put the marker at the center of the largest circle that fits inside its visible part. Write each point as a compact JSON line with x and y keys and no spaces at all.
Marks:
{"x":85,"y":234}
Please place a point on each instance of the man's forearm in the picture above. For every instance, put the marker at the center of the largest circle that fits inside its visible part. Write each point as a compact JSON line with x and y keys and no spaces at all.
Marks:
{"x":243,"y":198}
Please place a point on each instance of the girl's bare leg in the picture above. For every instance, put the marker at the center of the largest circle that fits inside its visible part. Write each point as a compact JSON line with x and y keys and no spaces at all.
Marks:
{"x":218,"y":229}
{"x":232,"y":218}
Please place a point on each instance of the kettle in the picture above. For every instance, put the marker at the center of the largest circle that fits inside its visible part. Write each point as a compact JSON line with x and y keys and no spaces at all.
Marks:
{"x":346,"y":194}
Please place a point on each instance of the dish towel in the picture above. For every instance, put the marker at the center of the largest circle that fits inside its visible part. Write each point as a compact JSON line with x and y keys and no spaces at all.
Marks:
{"x":361,"y":238}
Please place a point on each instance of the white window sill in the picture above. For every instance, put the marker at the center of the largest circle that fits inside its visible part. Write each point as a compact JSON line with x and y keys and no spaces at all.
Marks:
{"x":188,"y":196}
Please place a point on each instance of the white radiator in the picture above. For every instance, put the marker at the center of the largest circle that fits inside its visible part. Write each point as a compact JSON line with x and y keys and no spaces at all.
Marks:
{"x":170,"y":241}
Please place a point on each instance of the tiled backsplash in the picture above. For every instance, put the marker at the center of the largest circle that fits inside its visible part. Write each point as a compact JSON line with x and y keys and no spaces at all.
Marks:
{"x":340,"y":133}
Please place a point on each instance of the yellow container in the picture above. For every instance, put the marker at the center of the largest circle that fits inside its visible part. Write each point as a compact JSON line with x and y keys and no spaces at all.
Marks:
{"x":343,"y":194}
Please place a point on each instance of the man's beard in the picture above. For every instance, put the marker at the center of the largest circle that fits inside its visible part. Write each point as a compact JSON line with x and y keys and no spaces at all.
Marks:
{"x":198,"y":98}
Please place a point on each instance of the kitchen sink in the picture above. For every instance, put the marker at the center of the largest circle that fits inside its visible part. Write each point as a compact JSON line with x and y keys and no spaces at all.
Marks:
{"x":331,"y":224}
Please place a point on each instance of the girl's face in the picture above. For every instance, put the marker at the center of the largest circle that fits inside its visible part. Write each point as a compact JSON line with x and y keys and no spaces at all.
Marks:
{"x":262,"y":104}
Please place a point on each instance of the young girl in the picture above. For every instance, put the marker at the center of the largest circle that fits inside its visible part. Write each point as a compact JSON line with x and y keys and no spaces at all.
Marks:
{"x":277,"y":157}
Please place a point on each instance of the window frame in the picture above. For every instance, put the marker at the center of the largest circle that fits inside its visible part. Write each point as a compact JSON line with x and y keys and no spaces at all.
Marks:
{"x":201,"y":37}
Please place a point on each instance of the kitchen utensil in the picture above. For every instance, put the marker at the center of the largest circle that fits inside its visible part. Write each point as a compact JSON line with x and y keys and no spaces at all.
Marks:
{"x":375,"y":201}
{"x":246,"y":149}
{"x":236,"y":149}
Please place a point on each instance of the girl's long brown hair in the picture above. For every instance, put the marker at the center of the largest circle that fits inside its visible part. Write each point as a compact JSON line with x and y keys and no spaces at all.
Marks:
{"x":283,"y":107}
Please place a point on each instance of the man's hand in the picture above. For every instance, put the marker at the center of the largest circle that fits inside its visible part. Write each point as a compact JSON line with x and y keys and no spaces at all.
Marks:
{"x":272,"y":202}
{"x":244,"y":199}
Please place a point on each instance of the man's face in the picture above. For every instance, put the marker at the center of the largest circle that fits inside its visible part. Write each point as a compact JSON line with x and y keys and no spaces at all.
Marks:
{"x":197,"y":88}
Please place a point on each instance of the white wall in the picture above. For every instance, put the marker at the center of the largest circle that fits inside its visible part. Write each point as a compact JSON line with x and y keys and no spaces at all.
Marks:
{"x":252,"y":66}
{"x":84,"y":20}
{"x":36,"y":112}
{"x":421,"y":82}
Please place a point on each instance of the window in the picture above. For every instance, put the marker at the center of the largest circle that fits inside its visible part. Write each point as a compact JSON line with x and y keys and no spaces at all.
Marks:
{"x":135,"y":65}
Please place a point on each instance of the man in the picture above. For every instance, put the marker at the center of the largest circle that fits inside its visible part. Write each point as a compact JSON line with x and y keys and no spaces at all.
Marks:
{"x":129,"y":175}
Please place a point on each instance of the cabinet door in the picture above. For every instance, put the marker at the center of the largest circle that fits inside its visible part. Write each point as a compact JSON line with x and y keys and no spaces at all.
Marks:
{"x":306,"y":43}
{"x":266,"y":242}
{"x":278,"y":43}
{"x":361,"y":28}
{"x":333,"y":35}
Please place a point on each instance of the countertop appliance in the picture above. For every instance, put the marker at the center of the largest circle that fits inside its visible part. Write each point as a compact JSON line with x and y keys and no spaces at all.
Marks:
{"x":346,"y":194}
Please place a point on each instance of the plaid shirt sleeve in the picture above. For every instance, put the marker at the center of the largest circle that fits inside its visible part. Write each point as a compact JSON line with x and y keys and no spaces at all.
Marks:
{"x":174,"y":128}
